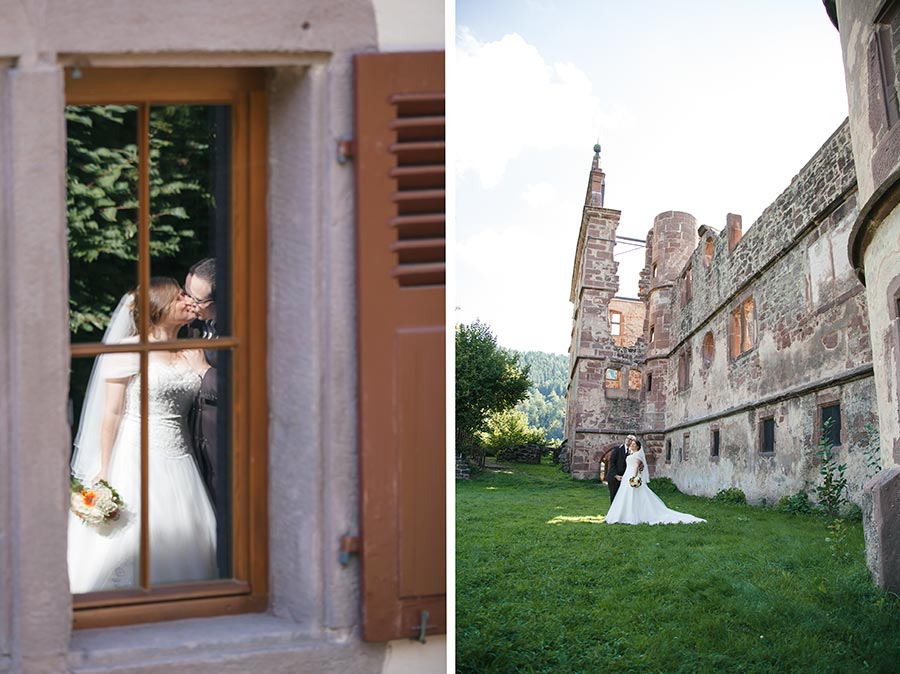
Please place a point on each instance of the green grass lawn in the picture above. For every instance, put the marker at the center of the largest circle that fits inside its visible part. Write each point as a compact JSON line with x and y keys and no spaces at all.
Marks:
{"x":544,"y":585}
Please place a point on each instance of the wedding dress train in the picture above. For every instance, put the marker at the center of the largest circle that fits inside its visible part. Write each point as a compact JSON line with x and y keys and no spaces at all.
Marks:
{"x":639,"y":505}
{"x":182,"y":522}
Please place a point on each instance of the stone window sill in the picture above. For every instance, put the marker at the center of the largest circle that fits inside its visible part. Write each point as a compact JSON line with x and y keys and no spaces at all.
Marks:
{"x":227,"y":643}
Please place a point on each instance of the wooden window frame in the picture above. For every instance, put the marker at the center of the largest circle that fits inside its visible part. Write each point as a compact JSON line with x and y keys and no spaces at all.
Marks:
{"x":244,"y":90}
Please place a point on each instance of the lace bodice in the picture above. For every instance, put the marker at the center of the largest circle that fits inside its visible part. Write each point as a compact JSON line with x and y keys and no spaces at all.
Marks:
{"x":171,"y":391}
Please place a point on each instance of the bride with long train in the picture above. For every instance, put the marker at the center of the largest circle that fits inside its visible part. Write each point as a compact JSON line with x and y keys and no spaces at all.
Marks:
{"x":182,"y":521}
{"x":635,"y":503}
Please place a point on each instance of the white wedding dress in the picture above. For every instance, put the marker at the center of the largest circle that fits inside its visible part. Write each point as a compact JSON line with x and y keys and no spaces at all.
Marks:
{"x":182,"y":522}
{"x":639,"y":505}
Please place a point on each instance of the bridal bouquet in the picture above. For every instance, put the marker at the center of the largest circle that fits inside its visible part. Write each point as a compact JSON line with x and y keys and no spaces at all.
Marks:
{"x":635,"y":481}
{"x":96,"y":504}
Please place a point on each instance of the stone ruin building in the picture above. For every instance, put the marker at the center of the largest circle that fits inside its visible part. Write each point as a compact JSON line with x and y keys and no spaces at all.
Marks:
{"x":738,"y":347}
{"x":748,"y":343}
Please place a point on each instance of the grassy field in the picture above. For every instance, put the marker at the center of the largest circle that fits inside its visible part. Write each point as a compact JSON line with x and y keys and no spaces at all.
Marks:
{"x":544,"y":585}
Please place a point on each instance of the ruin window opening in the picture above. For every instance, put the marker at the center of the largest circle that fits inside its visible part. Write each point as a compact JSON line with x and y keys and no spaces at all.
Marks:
{"x":684,"y":370}
{"x":613,"y":378}
{"x":653,"y":270}
{"x":615,"y":323}
{"x":652,"y":330}
{"x":708,"y":249}
{"x":767,"y":435}
{"x":634,"y":380}
{"x":687,"y":279}
{"x":649,"y":381}
{"x":714,"y":443}
{"x":830,"y":422}
{"x":685,"y":442}
{"x":742,"y":327}
{"x":668,"y":451}
{"x":709,"y":348}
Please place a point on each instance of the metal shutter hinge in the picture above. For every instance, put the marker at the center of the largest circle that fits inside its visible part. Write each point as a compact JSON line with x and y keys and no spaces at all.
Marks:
{"x":346,"y":150}
{"x":349,"y":546}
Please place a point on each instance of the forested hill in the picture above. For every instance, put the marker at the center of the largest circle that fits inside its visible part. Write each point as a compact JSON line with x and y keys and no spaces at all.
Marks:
{"x":546,"y":404}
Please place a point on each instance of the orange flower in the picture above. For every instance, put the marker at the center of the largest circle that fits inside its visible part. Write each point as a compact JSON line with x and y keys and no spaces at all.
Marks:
{"x":88,"y":497}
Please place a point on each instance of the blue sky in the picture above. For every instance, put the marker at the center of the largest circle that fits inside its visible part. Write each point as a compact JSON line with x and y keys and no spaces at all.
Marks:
{"x":704,"y":107}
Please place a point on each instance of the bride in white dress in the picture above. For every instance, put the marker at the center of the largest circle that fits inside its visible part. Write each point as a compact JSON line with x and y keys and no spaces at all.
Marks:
{"x":182,"y":521}
{"x":635,"y":503}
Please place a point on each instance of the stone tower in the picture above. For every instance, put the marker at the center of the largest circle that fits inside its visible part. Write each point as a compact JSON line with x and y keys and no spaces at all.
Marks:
{"x":669,"y":246}
{"x":601,"y":408}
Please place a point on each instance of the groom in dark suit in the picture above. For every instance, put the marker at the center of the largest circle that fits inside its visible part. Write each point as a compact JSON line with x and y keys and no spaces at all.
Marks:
{"x":200,"y":286}
{"x":617,"y":467}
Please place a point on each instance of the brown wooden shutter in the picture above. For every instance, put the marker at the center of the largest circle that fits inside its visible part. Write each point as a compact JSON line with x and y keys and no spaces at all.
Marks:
{"x":400,"y":206}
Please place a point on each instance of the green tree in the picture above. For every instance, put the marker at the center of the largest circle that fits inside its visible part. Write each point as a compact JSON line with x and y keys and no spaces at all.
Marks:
{"x":489,"y":379}
{"x":545,"y":405}
{"x":507,"y":429}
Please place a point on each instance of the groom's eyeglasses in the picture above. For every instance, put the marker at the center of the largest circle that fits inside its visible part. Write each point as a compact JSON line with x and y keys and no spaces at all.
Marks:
{"x":208,"y":300}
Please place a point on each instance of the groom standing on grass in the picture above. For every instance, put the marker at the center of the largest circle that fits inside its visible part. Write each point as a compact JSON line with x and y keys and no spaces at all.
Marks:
{"x":617,"y":467}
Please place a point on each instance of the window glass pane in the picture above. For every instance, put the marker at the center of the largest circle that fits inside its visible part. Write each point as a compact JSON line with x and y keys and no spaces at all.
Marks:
{"x":831,"y":422}
{"x":190,"y":212}
{"x":104,"y":528}
{"x":190,"y":208}
{"x":102,"y":213}
{"x":768,"y":435}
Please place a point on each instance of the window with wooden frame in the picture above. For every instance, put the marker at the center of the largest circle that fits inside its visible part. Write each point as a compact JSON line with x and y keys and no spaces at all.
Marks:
{"x":767,"y":435}
{"x":166,"y":187}
{"x":615,"y":323}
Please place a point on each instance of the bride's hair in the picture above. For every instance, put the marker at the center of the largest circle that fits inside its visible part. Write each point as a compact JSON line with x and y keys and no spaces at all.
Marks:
{"x":637,"y":444}
{"x":164,"y":290}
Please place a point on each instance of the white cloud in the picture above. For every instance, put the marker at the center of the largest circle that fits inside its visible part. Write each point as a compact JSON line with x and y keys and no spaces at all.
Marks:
{"x":509,"y":100}
{"x":540,"y":195}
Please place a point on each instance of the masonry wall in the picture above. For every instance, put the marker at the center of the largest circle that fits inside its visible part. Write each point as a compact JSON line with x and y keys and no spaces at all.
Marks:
{"x":810,"y":342}
{"x":805,"y":345}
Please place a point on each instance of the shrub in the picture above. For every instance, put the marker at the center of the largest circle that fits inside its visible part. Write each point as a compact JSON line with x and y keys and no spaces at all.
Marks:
{"x":798,"y":503}
{"x":663,"y":485}
{"x":508,"y":429}
{"x":852,"y":512}
{"x":731,"y":495}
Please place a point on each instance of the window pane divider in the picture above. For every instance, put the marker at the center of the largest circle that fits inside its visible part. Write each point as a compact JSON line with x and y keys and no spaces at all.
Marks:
{"x":144,"y":331}
{"x":97,"y":348}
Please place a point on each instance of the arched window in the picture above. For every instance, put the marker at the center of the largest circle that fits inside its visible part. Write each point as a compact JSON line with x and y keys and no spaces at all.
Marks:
{"x":709,"y":348}
{"x":708,"y":249}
